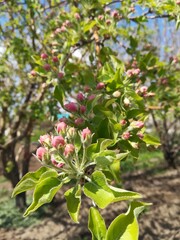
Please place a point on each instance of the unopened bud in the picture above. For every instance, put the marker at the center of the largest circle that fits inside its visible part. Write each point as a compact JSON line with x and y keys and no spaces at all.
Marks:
{"x":123,"y":122}
{"x":100,"y":86}
{"x":79,"y":121}
{"x":47,"y":67}
{"x":82,"y":109}
{"x":69,"y":149}
{"x":71,"y":107}
{"x":126,"y":135}
{"x":85,"y":132}
{"x":45,"y":139}
{"x":55,"y":59}
{"x":60,"y":75}
{"x":33,"y":73}
{"x":44,"y":56}
{"x":40,"y":152}
{"x":126,"y":102}
{"x":58,"y":141}
{"x":116,"y":94}
{"x":80,"y":97}
{"x":77,"y":16}
{"x":61,"y":127}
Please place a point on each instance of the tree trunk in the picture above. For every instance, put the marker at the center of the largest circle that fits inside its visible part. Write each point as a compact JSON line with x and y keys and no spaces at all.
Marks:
{"x":169,"y":155}
{"x":11,"y":172}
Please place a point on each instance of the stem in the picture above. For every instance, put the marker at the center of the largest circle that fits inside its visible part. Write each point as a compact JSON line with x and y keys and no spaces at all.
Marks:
{"x":84,"y":157}
{"x":87,"y":178}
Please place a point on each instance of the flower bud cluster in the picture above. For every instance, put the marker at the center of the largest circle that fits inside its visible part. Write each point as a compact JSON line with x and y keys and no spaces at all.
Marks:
{"x":143,"y":92}
{"x":60,"y":150}
{"x":79,"y":106}
{"x":132,"y":129}
{"x":133,"y":72}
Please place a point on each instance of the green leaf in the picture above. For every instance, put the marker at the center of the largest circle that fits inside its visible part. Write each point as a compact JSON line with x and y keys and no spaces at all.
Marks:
{"x":148,"y":139}
{"x":29,"y":181}
{"x":96,"y":224}
{"x":59,"y":94}
{"x":44,"y":193}
{"x":49,"y":173}
{"x":73,"y":198}
{"x":103,"y":194}
{"x":125,"y":226}
{"x":89,"y":25}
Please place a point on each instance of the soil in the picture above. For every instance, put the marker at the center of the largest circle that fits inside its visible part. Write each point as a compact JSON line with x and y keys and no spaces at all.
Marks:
{"x":160,"y":222}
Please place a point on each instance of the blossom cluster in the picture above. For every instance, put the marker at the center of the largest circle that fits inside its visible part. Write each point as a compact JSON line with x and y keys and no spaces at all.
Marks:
{"x":60,"y":150}
{"x":79,"y":107}
{"x":134,"y":128}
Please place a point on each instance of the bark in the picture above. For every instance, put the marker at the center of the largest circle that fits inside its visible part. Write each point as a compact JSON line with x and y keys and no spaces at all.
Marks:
{"x":11,"y":172}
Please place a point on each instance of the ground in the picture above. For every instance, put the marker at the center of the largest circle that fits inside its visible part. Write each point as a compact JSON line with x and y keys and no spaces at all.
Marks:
{"x":160,"y":222}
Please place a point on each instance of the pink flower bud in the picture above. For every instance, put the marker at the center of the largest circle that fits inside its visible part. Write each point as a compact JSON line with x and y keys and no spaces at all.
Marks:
{"x":60,"y":75}
{"x":178,"y":2}
{"x":115,"y":14}
{"x":77,"y":16}
{"x":44,"y":56}
{"x":129,"y":73}
{"x":57,"y":31}
{"x":100,"y":17}
{"x":100,"y":85}
{"x":126,"y":135}
{"x":45,"y":139}
{"x":55,"y":59}
{"x":60,"y":165}
{"x":91,"y":97}
{"x":140,"y":135}
{"x":40,"y":152}
{"x":79,"y":121}
{"x":61,"y":127}
{"x":86,"y":133}
{"x":66,"y":23}
{"x":69,"y":149}
{"x":63,"y":119}
{"x":143,"y":89}
{"x":47,"y":67}
{"x":33,"y":73}
{"x":82,"y":109}
{"x":108,"y":21}
{"x":123,"y":122}
{"x":58,"y":141}
{"x":54,"y":162}
{"x":63,"y":29}
{"x":80,"y":97}
{"x":87,"y":88}
{"x":136,"y":71}
{"x":71,"y":107}
{"x":137,"y":124}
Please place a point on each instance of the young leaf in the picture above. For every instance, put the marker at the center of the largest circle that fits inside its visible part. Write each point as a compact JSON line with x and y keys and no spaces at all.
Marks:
{"x":96,"y":224}
{"x":29,"y":181}
{"x":125,"y":226}
{"x":103,"y":194}
{"x":59,"y":94}
{"x":73,"y":199}
{"x":44,"y":193}
{"x":148,"y":139}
